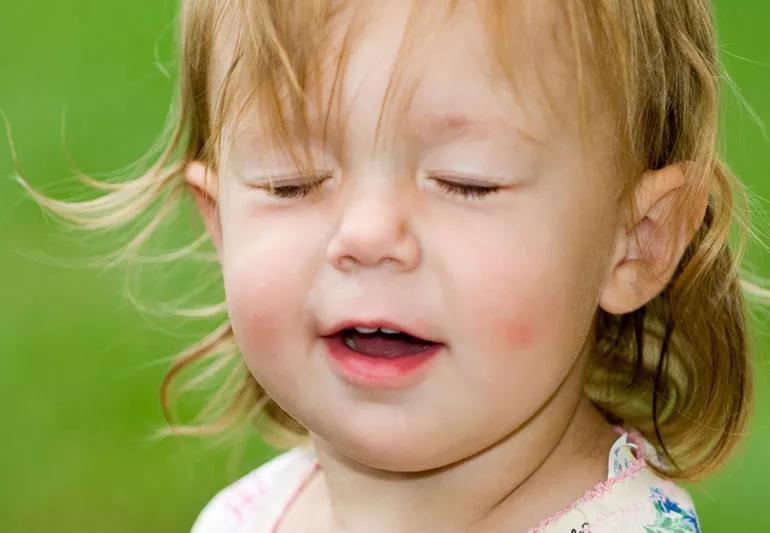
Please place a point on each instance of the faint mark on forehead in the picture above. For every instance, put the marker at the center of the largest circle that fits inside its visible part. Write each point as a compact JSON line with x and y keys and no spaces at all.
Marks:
{"x":446,"y":127}
{"x":432,"y":129}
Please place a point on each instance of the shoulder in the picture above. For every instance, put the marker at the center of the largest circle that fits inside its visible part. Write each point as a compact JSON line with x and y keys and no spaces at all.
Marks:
{"x":643,"y":502}
{"x":257,"y":496}
{"x":634,"y":498}
{"x":667,"y":506}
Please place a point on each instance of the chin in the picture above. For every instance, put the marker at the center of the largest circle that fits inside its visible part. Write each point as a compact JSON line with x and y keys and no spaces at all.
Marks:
{"x":402,"y":459}
{"x":385,"y":445}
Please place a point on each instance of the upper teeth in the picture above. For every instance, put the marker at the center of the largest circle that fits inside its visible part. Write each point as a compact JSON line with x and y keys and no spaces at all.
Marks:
{"x":362,"y":329}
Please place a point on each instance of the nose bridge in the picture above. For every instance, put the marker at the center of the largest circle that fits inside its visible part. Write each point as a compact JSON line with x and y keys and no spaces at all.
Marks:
{"x":374,"y":226}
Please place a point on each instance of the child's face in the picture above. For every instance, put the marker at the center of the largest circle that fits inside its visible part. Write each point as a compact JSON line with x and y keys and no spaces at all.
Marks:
{"x":509,"y":281}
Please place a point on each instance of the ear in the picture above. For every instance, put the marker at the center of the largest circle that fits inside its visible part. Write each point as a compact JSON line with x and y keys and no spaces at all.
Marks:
{"x":651,"y":241}
{"x":203,"y":185}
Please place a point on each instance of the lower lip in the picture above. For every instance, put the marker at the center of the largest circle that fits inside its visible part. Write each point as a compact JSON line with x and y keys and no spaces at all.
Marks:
{"x":378,"y":372}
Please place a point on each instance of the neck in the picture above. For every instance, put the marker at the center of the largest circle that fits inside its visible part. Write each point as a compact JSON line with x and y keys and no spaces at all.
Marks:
{"x":509,"y":485}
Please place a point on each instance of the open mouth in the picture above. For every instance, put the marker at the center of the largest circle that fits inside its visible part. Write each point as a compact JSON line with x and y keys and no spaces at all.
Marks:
{"x":381,"y":344}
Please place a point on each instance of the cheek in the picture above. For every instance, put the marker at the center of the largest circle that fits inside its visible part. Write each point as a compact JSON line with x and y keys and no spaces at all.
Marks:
{"x":264,"y":303}
{"x":258,"y":297}
{"x":258,"y":305}
{"x":522,"y":306}
{"x":502,"y":310}
{"x":508,"y":312}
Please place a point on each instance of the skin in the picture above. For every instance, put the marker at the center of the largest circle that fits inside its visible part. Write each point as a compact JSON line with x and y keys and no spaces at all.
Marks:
{"x":498,"y":434}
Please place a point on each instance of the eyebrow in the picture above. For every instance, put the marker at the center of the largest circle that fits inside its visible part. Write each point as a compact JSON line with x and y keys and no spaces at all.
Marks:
{"x":449,"y":126}
{"x":442,"y":128}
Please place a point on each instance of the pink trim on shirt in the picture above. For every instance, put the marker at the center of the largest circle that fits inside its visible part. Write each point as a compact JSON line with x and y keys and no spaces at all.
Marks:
{"x":601,"y":488}
{"x":305,"y":479}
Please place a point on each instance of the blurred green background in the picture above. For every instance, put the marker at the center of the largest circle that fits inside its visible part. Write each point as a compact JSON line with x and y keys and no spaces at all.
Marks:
{"x":88,"y":83}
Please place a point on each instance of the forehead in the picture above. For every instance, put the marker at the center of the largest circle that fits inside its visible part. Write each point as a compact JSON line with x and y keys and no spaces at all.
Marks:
{"x":439,"y":72}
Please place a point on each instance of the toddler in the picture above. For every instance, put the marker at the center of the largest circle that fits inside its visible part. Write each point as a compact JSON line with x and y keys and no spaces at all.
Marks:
{"x":474,"y":257}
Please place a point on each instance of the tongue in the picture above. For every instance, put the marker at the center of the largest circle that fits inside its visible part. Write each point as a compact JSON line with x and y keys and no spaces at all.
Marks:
{"x":385,"y":345}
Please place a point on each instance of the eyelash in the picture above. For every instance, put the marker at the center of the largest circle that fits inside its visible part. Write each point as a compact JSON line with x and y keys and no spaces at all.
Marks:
{"x":456,"y":189}
{"x":466,"y":190}
{"x":295,"y":191}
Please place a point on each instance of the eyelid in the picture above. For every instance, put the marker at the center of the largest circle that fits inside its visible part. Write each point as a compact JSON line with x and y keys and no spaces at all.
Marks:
{"x":286,"y":180}
{"x":463,"y":179}
{"x":471,"y":191}
{"x":299,"y":185}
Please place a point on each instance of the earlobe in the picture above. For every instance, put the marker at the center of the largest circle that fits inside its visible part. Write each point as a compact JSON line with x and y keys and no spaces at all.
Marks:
{"x":650,"y":243}
{"x":203,"y":186}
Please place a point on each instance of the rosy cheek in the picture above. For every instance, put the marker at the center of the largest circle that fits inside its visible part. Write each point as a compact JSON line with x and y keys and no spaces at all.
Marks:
{"x":257,"y":304}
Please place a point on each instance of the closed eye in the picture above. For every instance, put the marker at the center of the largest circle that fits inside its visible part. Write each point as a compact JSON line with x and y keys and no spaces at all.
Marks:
{"x":300,"y":189}
{"x":466,"y":190}
{"x":305,"y":188}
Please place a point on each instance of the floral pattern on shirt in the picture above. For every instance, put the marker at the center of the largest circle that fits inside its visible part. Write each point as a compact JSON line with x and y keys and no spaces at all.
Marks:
{"x":670,"y":517}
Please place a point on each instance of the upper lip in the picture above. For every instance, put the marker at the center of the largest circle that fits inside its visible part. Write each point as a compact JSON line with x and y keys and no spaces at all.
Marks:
{"x":376,"y":323}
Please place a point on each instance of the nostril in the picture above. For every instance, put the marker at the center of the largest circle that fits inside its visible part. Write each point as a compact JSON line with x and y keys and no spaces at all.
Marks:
{"x":348,"y":263}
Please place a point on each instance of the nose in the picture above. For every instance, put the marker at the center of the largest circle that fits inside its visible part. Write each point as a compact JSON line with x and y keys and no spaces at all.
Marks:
{"x":373,"y":230}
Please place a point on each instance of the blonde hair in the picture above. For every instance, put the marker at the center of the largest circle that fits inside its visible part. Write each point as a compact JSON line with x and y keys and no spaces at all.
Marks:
{"x":677,"y":369}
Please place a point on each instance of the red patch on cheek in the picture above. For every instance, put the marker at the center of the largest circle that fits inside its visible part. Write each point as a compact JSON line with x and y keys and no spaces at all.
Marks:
{"x":520,"y":334}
